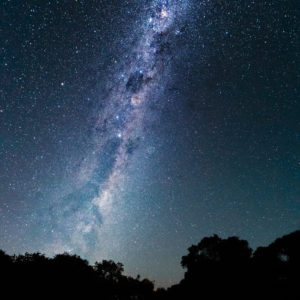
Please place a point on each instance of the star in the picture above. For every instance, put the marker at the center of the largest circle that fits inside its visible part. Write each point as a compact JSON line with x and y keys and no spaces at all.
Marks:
{"x":164,"y":12}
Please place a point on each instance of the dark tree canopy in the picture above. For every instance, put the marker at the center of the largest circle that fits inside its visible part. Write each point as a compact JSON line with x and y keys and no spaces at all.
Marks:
{"x":214,"y":249}
{"x":109,"y":270}
{"x":216,"y":268}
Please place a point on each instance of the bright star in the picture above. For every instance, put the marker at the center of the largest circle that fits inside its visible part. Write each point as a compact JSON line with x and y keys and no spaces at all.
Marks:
{"x":164,"y":12}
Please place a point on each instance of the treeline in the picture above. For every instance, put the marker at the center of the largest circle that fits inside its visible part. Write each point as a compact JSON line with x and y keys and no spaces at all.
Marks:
{"x":216,"y":268}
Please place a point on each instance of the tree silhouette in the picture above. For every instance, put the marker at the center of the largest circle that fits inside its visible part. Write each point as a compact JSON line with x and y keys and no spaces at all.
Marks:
{"x":277,"y":267}
{"x":214,"y":249}
{"x":216,"y":268}
{"x":5,"y":260}
{"x":109,"y":270}
{"x":219,"y":266}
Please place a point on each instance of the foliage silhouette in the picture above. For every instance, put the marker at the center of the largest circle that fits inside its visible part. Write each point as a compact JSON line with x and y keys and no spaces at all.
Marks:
{"x":216,"y":268}
{"x":109,"y":270}
{"x":278,"y":267}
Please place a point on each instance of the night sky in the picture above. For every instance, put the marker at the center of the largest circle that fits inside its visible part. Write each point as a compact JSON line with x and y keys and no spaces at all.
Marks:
{"x":130,"y":130}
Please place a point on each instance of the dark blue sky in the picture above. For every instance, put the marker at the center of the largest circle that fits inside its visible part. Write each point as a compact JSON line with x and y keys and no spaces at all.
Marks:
{"x":131,"y":129}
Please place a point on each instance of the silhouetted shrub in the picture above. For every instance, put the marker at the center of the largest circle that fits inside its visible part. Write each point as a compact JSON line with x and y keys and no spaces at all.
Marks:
{"x":216,"y":268}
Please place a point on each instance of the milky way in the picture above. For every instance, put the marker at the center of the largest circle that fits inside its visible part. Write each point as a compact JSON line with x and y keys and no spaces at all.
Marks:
{"x":128,"y":102}
{"x":120,"y":127}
